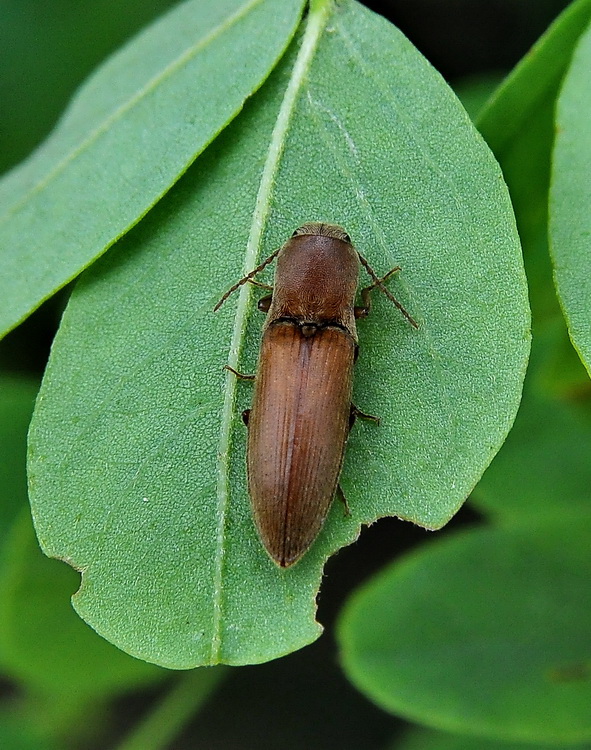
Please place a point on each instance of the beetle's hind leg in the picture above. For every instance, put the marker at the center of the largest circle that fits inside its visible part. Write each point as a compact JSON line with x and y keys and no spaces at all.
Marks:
{"x":341,"y":495}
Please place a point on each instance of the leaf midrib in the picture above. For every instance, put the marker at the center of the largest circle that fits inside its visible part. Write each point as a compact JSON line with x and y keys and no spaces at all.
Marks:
{"x":316,"y":23}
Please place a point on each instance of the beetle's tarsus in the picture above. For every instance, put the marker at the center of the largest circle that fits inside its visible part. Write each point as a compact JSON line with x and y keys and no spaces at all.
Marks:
{"x":343,"y":499}
{"x":357,"y":413}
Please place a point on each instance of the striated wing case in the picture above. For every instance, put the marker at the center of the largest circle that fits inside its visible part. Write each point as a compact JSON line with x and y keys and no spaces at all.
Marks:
{"x":297,"y":432}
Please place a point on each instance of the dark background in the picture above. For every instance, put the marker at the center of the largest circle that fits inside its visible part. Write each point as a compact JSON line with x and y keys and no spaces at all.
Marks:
{"x":46,"y":50}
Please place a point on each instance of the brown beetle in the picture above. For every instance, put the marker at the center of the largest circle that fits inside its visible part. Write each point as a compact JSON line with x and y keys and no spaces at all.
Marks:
{"x":301,"y":409}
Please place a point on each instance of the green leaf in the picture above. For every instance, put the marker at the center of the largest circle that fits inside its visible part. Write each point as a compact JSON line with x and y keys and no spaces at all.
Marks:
{"x":47,"y":51}
{"x":485,"y":633}
{"x":543,"y":468}
{"x":129,"y":133}
{"x":137,"y":468}
{"x":570,"y":200}
{"x":167,"y":719}
{"x":43,"y":644}
{"x":15,"y":734}
{"x":518,"y":125}
{"x":545,"y":454}
{"x":535,"y":79}
{"x":475,"y":91}
{"x":426,"y":739}
{"x":17,"y":398}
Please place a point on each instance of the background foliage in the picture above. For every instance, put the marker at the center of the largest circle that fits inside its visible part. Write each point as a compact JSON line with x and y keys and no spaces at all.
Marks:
{"x":508,"y":663}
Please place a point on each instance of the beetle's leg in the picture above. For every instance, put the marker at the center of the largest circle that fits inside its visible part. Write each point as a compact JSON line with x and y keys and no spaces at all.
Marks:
{"x":239,"y":374}
{"x":260,"y":284}
{"x":364,"y":309}
{"x":343,"y":499}
{"x":265,"y":303}
{"x":355,"y":412}
{"x":246,"y":416}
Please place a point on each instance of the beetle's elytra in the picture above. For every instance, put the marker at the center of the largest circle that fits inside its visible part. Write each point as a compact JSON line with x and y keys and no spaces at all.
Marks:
{"x":301,"y":410}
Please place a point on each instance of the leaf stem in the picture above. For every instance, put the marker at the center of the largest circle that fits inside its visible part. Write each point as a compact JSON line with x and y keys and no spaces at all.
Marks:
{"x":179,"y":705}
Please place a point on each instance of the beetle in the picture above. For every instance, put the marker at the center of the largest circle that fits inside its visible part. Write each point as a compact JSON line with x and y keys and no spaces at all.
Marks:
{"x":301,"y":411}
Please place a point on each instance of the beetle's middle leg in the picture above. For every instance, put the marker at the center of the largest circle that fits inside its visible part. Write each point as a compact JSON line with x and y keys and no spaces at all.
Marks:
{"x":239,"y":375}
{"x":265,"y":302}
{"x":355,"y":413}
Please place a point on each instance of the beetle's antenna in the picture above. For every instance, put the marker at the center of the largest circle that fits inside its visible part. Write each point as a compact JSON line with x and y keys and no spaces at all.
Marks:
{"x":378,"y":282}
{"x":246,"y":278}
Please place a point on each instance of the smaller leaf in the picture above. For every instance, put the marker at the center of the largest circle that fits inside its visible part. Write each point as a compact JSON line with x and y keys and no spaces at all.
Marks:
{"x":130,"y":132}
{"x":426,"y":739}
{"x":17,"y":399}
{"x":43,"y":643}
{"x":36,"y":39}
{"x":531,"y":81}
{"x":543,"y":467}
{"x":570,"y":200}
{"x":485,"y":633}
{"x":518,"y":125}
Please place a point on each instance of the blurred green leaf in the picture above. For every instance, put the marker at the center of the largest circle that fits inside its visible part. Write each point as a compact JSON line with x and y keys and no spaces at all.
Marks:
{"x":17,"y":398}
{"x":137,"y":448}
{"x":570,"y":199}
{"x":47,"y":50}
{"x":129,"y":133}
{"x":536,"y":78}
{"x":43,"y":644}
{"x":544,"y":466}
{"x":485,"y":633}
{"x":427,"y":739}
{"x":166,"y":720}
{"x":16,"y":734}
{"x":475,"y":91}
{"x":518,"y":124}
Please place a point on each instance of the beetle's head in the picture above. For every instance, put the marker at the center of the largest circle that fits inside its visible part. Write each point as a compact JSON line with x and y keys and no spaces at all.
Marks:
{"x":324,"y":230}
